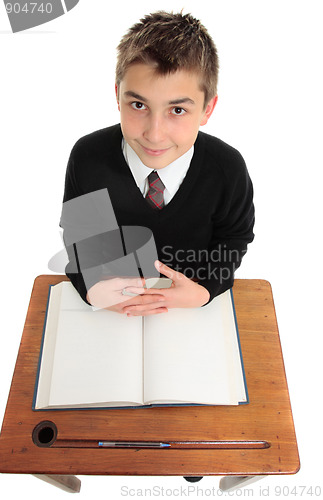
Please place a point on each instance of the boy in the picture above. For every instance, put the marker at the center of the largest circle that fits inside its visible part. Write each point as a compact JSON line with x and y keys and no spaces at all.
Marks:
{"x":198,"y":200}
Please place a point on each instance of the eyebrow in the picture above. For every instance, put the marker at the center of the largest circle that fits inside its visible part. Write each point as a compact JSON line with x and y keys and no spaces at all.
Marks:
{"x":181,"y":100}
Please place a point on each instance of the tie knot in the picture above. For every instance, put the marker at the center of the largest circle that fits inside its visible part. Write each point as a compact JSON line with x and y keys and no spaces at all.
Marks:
{"x":154,"y":179}
{"x":155,"y":195}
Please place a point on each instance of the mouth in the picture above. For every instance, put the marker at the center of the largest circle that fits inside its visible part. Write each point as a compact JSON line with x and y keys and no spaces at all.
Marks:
{"x":154,"y":152}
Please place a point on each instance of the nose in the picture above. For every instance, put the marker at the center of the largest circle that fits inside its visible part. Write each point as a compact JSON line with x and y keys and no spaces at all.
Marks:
{"x":155,"y":130}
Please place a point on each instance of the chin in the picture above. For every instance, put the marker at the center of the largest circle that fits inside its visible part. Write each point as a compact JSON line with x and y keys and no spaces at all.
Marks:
{"x":154,"y":163}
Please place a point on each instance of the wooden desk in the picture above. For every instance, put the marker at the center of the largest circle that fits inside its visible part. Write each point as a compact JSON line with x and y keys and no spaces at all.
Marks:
{"x":267,"y":417}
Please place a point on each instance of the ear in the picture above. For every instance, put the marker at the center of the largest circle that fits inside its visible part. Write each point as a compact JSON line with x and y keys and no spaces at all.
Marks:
{"x":116,"y":88}
{"x":209,"y":110}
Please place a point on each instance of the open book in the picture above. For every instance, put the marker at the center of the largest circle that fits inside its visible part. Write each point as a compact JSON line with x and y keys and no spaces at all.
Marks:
{"x":98,"y":359}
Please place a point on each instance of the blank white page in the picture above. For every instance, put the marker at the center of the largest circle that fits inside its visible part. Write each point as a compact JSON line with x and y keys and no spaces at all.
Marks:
{"x":98,"y":355}
{"x":188,"y":355}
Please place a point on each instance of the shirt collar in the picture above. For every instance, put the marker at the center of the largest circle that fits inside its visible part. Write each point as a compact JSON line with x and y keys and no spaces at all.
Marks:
{"x":172,"y":175}
{"x":138,"y":169}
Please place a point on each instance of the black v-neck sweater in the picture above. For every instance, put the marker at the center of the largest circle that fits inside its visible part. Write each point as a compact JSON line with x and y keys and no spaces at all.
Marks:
{"x":202,"y":232}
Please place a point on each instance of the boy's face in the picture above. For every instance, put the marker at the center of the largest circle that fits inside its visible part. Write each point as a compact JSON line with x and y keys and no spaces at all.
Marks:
{"x":161,"y":115}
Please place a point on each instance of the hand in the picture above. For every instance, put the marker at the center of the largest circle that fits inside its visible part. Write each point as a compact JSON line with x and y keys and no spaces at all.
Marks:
{"x":108,"y":294}
{"x":182,"y":293}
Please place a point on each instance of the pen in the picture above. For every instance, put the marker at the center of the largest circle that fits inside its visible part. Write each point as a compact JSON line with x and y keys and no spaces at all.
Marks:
{"x":183,"y":445}
{"x":132,"y":444}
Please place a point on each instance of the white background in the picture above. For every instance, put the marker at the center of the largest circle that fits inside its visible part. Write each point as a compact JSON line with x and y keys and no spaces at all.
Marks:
{"x":57,"y":84}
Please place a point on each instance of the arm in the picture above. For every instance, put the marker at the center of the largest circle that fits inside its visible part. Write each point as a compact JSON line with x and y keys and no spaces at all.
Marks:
{"x":71,"y":191}
{"x":232,"y":231}
{"x":98,"y":266}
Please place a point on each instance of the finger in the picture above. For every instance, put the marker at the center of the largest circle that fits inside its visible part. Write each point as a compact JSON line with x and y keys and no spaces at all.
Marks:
{"x":143,"y":291}
{"x":167,"y":271}
{"x":144,"y":306}
{"x":153,"y":293}
{"x":143,"y":300}
{"x":122,"y":301}
{"x":150,"y":312}
{"x":134,"y":282}
{"x":141,"y":309}
{"x":134,"y":289}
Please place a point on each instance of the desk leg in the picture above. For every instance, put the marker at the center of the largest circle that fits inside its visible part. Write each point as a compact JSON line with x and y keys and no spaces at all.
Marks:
{"x":229,"y":483}
{"x":67,"y":483}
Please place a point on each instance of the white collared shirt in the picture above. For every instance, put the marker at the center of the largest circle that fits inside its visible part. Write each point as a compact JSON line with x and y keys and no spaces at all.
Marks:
{"x":172,"y":175}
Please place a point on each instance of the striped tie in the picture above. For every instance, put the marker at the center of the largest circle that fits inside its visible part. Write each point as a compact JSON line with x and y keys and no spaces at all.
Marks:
{"x":155,"y":195}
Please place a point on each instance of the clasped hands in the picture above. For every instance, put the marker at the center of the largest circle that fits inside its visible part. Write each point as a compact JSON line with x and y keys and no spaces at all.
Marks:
{"x":108,"y":294}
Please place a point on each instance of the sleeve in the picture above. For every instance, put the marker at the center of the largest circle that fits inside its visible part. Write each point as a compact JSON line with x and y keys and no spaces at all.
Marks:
{"x":232,"y":232}
{"x":72,"y":190}
{"x":89,"y":227}
{"x":97,"y":248}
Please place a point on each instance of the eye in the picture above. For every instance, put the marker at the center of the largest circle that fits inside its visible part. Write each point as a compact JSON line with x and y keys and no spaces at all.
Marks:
{"x":138,"y":105}
{"x":178,"y":111}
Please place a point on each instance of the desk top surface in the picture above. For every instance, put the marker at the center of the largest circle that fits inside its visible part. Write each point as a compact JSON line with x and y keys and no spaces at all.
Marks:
{"x":266,"y":419}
